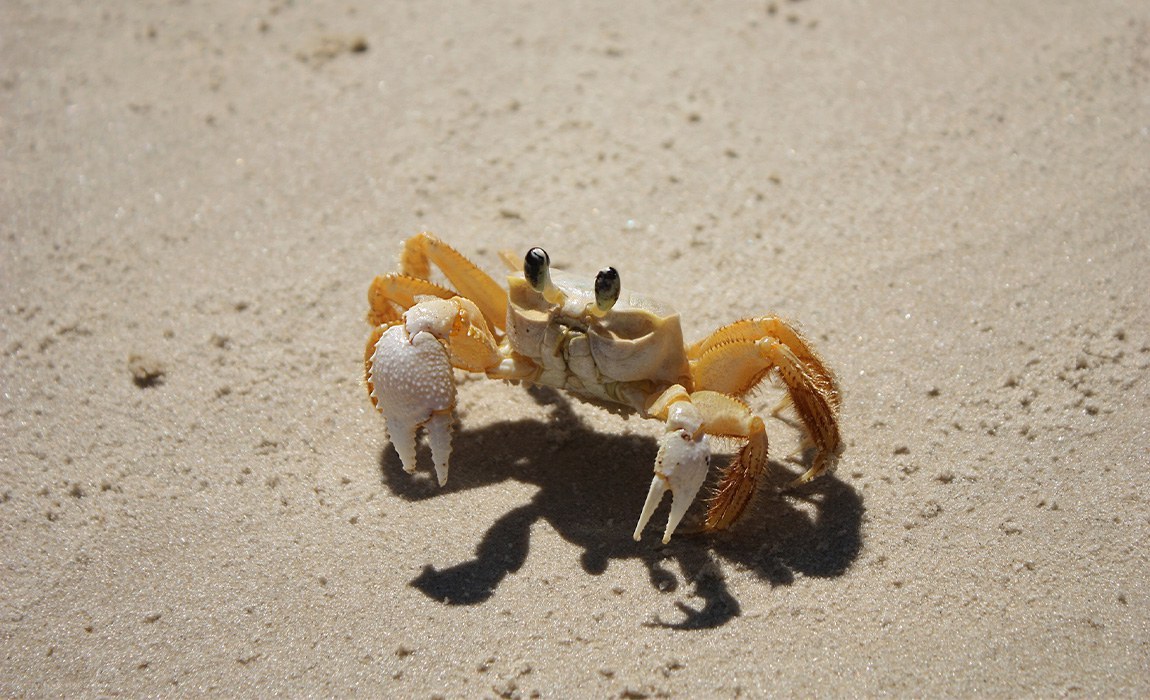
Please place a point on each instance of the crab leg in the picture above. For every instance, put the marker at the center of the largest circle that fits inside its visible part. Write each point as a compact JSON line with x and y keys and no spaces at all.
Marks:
{"x":682,"y":464}
{"x":390,"y":295}
{"x":730,"y":417}
{"x":421,"y":250}
{"x":735,"y":358}
{"x":409,"y":373}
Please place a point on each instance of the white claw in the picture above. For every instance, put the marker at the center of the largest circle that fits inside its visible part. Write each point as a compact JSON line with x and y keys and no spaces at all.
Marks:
{"x":413,"y":386}
{"x":439,"y":435}
{"x":680,"y":468}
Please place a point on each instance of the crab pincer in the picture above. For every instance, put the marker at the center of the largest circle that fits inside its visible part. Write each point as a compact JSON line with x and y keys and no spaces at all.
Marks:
{"x":413,"y":386}
{"x":680,"y":467}
{"x":411,"y":378}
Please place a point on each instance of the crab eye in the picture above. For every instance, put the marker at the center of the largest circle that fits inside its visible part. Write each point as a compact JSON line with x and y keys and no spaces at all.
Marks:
{"x":607,"y":288}
{"x":535,"y":265}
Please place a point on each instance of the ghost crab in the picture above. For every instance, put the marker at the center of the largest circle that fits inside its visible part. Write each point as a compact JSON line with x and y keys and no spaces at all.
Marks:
{"x":587,"y":337}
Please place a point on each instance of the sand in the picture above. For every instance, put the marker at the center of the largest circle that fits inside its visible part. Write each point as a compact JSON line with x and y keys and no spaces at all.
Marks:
{"x":951,"y":199}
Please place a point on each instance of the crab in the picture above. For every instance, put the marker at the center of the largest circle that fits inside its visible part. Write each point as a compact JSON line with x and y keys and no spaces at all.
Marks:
{"x":624,"y":351}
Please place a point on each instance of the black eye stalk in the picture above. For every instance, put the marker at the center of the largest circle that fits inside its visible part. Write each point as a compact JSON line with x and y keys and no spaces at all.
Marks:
{"x":607,"y":288}
{"x":537,"y":270}
{"x":536,"y":266}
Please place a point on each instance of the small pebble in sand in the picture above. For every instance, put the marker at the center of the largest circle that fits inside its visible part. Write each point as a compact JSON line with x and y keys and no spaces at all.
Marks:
{"x":146,"y":371}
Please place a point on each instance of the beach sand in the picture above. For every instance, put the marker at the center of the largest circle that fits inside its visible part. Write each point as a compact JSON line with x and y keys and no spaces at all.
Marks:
{"x":196,"y":496}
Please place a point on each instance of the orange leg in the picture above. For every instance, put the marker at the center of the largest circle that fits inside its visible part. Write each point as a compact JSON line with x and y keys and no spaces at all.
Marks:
{"x":421,"y":250}
{"x":683,"y":470}
{"x":735,"y":358}
{"x":390,"y":295}
{"x":376,"y":334}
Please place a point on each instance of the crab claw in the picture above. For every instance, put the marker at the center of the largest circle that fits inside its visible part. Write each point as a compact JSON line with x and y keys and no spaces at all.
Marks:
{"x":681,"y":468}
{"x":413,"y":385}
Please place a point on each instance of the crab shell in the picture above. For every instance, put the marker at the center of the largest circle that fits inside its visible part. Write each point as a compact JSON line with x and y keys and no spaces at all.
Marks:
{"x":639,"y":339}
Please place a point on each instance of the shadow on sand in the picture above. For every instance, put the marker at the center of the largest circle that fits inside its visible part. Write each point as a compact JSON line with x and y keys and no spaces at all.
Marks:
{"x":590,"y":486}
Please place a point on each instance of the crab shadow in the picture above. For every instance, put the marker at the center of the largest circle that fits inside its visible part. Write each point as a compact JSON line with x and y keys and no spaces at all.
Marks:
{"x":590,"y":487}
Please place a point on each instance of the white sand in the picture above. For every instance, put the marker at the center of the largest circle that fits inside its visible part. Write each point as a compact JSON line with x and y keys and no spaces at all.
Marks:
{"x":953,"y":199}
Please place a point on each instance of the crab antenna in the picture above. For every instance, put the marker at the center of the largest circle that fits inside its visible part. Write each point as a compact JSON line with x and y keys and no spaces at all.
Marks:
{"x":537,"y":270}
{"x":607,"y":288}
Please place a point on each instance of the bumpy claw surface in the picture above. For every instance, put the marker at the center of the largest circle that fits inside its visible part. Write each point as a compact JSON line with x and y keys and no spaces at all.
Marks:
{"x":413,"y":385}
